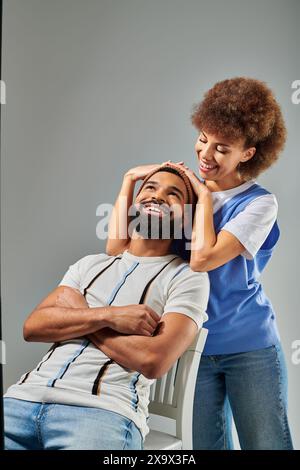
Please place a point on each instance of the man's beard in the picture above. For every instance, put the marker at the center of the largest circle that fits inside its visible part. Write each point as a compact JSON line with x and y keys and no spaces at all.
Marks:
{"x":153,"y":227}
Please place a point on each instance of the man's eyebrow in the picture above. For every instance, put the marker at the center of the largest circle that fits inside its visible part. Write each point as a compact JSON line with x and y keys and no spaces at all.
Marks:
{"x":171,"y":187}
{"x":218,"y":143}
{"x":177,"y":189}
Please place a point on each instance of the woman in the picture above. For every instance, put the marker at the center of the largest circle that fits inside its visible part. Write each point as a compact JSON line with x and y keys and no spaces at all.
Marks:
{"x":242,"y":370}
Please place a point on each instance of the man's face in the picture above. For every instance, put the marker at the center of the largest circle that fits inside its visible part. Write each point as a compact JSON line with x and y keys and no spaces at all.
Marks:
{"x":160,"y":206}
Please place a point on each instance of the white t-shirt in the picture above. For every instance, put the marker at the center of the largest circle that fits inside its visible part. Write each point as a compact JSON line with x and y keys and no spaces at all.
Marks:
{"x":252,"y":225}
{"x":75,"y":372}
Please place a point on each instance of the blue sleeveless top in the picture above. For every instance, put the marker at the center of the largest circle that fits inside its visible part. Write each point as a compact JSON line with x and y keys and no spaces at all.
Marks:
{"x":241,"y":317}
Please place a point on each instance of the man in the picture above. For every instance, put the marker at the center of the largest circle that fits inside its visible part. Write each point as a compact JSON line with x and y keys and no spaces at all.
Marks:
{"x":117,"y":323}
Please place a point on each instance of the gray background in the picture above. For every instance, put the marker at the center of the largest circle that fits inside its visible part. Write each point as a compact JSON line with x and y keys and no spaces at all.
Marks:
{"x":96,"y":87}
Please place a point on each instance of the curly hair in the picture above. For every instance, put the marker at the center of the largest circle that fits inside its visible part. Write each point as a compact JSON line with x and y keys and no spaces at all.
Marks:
{"x":244,"y":108}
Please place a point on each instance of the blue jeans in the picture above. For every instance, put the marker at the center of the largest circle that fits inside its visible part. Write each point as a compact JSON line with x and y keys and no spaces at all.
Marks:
{"x":43,"y":426}
{"x":251,"y":387}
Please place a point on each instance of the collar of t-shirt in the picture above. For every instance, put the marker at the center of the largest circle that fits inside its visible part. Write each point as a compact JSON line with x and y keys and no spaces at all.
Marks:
{"x":221,"y":197}
{"x":146,"y":259}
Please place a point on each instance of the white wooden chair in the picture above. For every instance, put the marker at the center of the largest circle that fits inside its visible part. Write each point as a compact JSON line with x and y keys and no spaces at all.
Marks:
{"x":172,"y":396}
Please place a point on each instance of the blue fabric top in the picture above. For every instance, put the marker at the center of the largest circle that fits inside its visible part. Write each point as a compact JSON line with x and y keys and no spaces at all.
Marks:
{"x":241,"y":317}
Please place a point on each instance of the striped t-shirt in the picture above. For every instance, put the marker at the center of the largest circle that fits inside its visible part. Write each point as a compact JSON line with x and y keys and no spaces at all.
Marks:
{"x":75,"y":372}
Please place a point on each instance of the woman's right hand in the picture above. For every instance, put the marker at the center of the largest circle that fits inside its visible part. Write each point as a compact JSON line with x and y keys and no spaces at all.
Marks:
{"x":133,"y":319}
{"x":140,"y":172}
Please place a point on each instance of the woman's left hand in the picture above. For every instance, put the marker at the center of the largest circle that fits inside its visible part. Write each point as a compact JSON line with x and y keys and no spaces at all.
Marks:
{"x":198,"y":186}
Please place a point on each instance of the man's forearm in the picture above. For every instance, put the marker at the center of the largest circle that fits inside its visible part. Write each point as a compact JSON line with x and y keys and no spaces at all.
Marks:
{"x":131,"y":351}
{"x":51,"y":324}
{"x":151,"y":355}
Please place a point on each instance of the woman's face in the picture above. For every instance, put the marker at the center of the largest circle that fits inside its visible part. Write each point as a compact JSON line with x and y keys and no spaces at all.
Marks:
{"x":218,"y":158}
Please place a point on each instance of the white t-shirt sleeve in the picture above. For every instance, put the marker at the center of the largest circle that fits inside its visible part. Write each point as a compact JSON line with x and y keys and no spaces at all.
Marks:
{"x":252,"y":226}
{"x":75,"y":274}
{"x":72,"y":277}
{"x":188,"y":294}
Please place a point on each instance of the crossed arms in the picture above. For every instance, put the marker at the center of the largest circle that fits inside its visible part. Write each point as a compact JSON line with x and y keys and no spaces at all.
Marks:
{"x":133,"y":335}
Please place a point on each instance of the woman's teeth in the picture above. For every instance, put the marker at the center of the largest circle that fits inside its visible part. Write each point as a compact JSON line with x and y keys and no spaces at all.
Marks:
{"x":206,"y":167}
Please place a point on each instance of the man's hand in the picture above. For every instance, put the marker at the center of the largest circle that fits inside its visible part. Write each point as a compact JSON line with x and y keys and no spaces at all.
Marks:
{"x":134,"y":319}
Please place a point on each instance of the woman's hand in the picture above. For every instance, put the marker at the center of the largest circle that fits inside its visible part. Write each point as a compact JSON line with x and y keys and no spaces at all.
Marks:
{"x":199,"y":188}
{"x":139,"y":172}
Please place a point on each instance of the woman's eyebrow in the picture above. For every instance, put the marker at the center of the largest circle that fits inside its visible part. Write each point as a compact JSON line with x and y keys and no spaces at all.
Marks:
{"x":223,"y":145}
{"x":218,"y":143}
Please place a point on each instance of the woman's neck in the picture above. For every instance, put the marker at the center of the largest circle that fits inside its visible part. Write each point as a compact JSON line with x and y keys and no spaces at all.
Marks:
{"x":229,"y":182}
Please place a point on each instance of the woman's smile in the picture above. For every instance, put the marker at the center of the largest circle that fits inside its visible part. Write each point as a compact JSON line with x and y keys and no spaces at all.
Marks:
{"x":205,"y":167}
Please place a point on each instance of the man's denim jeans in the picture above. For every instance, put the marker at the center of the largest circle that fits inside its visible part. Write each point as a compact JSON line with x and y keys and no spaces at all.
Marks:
{"x":37,"y":426}
{"x":251,"y":386}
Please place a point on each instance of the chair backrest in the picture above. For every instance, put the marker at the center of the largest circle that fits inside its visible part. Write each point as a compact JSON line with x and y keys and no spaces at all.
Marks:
{"x":172,"y":395}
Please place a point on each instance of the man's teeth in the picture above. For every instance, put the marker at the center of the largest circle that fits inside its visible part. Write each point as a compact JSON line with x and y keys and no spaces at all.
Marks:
{"x":209,"y":167}
{"x":155,"y":208}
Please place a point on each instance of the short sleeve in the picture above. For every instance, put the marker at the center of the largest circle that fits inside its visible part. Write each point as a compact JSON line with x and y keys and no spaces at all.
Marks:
{"x":253,"y":225}
{"x":72,"y":277}
{"x":76,"y":272}
{"x":188,"y":293}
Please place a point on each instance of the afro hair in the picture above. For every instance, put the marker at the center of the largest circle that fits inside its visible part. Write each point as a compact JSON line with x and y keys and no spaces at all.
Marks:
{"x":244,"y":108}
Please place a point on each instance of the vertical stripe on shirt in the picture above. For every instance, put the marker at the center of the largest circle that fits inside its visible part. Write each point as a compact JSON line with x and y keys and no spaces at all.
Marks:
{"x":143,"y":296}
{"x":97,"y":275}
{"x":51,"y":351}
{"x":102,"y":371}
{"x":63,"y":370}
{"x":122,"y":282}
{"x":135,"y":398}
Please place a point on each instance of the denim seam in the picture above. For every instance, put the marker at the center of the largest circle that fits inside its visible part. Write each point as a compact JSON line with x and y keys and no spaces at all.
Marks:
{"x":38,"y":427}
{"x":41,"y":418}
{"x":282,"y":408}
{"x":126,"y":434}
{"x":224,"y":428}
